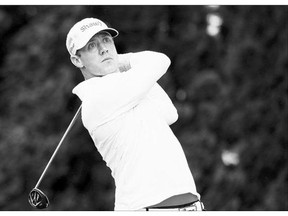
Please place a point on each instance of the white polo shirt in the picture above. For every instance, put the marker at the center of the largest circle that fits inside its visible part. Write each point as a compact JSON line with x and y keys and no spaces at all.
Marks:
{"x":128,"y":116}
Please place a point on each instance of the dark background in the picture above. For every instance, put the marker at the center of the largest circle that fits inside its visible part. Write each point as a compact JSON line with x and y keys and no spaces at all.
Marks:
{"x":230,"y":91}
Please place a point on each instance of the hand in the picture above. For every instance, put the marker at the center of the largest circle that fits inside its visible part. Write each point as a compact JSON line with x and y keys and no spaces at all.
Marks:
{"x":124,"y":62}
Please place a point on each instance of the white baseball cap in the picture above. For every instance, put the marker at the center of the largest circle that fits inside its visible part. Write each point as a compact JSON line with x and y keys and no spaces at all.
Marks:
{"x":83,"y":31}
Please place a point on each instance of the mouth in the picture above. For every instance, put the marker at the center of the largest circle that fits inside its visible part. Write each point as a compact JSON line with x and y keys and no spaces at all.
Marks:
{"x":106,"y":59}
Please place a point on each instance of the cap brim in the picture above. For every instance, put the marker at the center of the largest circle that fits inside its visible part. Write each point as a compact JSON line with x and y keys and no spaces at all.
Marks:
{"x":113,"y":32}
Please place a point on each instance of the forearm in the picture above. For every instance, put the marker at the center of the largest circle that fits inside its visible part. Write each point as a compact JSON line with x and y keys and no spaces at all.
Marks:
{"x":150,"y":63}
{"x":145,"y":60}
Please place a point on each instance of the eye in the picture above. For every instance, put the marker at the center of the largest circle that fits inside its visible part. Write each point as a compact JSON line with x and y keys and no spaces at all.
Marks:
{"x":106,"y":39}
{"x":91,"y":46}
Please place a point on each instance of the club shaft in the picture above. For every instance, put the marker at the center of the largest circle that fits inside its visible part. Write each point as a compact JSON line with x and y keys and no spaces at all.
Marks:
{"x":59,"y":144}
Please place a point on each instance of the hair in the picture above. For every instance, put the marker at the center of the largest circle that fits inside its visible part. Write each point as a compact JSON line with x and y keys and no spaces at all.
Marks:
{"x":78,"y":53}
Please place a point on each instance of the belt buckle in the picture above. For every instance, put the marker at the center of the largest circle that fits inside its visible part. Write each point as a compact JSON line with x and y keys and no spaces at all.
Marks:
{"x":196,"y":206}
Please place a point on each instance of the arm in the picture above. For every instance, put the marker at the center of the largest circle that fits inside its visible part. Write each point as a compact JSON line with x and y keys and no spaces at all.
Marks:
{"x":107,"y":97}
{"x":162,"y":104}
{"x":144,"y":69}
{"x":157,"y":96}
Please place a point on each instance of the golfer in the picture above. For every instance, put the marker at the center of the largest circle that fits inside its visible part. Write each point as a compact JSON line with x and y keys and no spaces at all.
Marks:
{"x":128,"y":116}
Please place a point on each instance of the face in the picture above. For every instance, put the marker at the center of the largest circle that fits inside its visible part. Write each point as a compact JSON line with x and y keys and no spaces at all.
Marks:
{"x":99,"y":56}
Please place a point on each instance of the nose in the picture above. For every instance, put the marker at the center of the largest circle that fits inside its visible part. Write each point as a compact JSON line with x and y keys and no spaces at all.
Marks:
{"x":102,"y":49}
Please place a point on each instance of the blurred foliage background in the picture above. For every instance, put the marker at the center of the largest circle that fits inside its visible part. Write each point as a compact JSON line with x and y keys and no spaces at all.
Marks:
{"x":228,"y":80}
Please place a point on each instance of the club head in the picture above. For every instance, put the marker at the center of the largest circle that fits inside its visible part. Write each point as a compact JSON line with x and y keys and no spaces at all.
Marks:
{"x":38,"y":199}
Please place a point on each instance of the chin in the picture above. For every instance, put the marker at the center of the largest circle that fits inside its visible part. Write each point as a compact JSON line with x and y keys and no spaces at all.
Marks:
{"x":113,"y":70}
{"x":105,"y":73}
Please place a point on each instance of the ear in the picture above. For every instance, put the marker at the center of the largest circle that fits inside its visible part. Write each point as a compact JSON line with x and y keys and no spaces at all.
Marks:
{"x":76,"y":61}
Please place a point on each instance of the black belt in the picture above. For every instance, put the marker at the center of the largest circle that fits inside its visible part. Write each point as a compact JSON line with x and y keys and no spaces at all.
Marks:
{"x":192,"y":200}
{"x":174,"y":206}
{"x":192,"y":206}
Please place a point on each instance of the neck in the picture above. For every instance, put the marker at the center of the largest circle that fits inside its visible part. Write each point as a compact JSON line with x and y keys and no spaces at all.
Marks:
{"x":87,"y":75}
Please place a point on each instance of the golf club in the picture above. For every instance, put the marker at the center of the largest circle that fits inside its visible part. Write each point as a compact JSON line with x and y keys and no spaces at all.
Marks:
{"x":37,"y":198}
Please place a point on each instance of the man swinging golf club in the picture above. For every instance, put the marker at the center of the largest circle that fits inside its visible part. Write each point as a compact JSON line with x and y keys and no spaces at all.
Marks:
{"x":128,"y":115}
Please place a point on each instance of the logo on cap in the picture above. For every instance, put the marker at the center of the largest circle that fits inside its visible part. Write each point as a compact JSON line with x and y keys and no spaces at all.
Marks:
{"x":85,"y":27}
